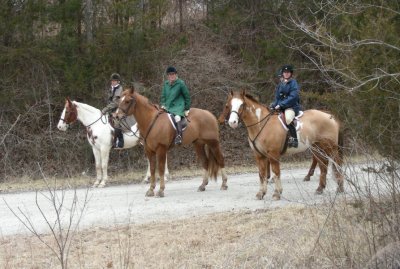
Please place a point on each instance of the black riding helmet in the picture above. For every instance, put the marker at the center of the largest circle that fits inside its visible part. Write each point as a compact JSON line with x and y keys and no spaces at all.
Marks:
{"x":115,"y":76}
{"x":171,"y":69}
{"x":287,"y":67}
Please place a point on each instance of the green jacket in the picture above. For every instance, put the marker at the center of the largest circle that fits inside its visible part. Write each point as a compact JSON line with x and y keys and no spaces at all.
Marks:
{"x":175,"y":98}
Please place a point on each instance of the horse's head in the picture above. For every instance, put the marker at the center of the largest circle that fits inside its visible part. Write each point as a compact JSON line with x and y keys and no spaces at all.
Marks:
{"x":233,"y":108}
{"x":126,"y":104}
{"x":68,"y":116}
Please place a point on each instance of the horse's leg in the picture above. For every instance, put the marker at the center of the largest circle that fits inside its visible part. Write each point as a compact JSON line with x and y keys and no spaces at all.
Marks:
{"x":148,"y":174}
{"x":166,"y":174}
{"x":105,"y":155}
{"x":152,"y":160}
{"x":201,"y":155}
{"x":97,"y":159}
{"x":337,"y":169}
{"x":161,"y":157}
{"x":275,"y":166}
{"x":262,"y":164}
{"x":268,"y":168}
{"x":312,"y":169}
{"x":323,"y":162}
{"x":224,"y":185}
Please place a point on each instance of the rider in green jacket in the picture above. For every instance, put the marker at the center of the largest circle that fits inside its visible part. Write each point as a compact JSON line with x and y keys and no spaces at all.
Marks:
{"x":175,"y":98}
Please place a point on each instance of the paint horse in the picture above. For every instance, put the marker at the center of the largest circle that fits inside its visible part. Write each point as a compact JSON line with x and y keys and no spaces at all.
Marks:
{"x":319,"y":131}
{"x":158,"y":133}
{"x":224,"y":117}
{"x":99,"y":134}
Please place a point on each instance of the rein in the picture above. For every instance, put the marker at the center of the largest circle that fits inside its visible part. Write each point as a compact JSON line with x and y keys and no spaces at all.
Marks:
{"x":253,"y":141}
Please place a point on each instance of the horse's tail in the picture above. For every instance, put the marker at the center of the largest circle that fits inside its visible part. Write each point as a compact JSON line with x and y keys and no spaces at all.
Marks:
{"x":339,"y":155}
{"x":215,"y":160}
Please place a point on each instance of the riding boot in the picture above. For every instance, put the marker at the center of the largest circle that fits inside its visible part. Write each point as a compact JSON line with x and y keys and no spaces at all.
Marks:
{"x":178,"y":138}
{"x":293,"y":142}
{"x":119,"y":141}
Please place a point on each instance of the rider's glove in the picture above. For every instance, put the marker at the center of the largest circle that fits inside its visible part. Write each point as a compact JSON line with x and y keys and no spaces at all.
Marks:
{"x":186,"y":113}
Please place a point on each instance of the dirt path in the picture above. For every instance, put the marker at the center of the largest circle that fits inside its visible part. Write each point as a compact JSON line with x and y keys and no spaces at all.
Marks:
{"x":128,"y":204}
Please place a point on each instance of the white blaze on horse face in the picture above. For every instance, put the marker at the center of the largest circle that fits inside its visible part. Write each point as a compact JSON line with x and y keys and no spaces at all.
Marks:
{"x":258,"y":113}
{"x":62,"y":126}
{"x":117,"y":112}
{"x":234,"y":117}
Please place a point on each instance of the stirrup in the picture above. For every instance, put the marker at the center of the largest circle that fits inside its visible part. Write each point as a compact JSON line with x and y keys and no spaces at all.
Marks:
{"x":178,"y":140}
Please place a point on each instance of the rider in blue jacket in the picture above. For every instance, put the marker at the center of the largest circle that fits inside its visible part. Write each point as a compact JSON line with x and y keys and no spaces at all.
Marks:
{"x":287,"y":99}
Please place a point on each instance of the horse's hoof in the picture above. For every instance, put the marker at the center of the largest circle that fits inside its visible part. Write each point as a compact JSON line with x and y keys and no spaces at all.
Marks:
{"x":307,"y":178}
{"x":276,"y":196}
{"x":146,"y":180}
{"x":150,"y":193}
{"x":101,"y":185}
{"x":160,"y":194}
{"x":224,"y":187}
{"x":260,"y":195}
{"x":319,"y":191}
{"x":201,"y":188}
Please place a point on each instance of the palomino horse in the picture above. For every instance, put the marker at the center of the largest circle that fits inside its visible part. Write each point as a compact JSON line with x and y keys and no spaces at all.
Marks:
{"x":99,"y":135}
{"x":158,"y":133}
{"x":319,"y":132}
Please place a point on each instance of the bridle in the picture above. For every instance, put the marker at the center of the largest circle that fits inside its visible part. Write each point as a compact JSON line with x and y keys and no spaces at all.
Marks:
{"x":132,"y":102}
{"x":266,"y":118}
{"x":71,"y":115}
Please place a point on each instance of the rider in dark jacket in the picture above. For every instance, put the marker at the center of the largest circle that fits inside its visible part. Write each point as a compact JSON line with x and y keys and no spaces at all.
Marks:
{"x":287,"y":99}
{"x":114,"y":96}
{"x":175,"y":98}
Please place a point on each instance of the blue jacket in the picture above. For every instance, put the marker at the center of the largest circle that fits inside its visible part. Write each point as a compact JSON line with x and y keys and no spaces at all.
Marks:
{"x":287,"y":95}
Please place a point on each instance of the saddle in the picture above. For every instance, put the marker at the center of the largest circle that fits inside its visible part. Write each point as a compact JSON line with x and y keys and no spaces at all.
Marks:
{"x":296,"y":120}
{"x":296,"y":123}
{"x":184,"y":122}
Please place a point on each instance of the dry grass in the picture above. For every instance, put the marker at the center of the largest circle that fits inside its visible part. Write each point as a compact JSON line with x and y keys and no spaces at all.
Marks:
{"x":294,"y":237}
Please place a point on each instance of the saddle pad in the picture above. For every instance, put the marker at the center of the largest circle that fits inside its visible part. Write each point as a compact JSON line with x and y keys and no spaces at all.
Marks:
{"x":297,"y":118}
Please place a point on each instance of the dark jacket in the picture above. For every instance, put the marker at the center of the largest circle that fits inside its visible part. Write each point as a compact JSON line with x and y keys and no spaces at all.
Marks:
{"x":113,"y":98}
{"x":176,"y":98}
{"x":287,"y":95}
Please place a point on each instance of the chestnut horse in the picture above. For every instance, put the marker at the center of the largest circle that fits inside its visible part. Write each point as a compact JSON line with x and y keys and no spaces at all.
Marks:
{"x":158,"y":133}
{"x":99,"y":135}
{"x":319,"y":131}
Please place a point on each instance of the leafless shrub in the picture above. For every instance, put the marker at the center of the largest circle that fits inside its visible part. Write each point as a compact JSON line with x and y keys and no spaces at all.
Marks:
{"x":61,"y":214}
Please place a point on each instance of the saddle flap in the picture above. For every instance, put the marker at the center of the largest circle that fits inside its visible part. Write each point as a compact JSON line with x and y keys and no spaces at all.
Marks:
{"x":174,"y":123}
{"x":296,"y":120}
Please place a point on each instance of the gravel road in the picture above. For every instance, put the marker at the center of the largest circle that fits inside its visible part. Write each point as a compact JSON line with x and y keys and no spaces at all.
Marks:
{"x":116,"y":205}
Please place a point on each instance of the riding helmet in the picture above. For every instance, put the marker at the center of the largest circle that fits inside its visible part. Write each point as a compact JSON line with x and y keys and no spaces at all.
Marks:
{"x":171,"y":69}
{"x":287,"y":67}
{"x":115,"y":76}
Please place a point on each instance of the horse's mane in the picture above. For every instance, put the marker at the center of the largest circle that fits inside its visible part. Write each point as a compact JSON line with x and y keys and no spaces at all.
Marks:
{"x":252,"y":98}
{"x":87,"y":107}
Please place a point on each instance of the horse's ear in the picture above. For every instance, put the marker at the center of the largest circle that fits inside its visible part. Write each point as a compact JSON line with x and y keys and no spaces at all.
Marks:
{"x":130,"y":89}
{"x":243,"y":93}
{"x":68,"y":101}
{"x":231,"y":93}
